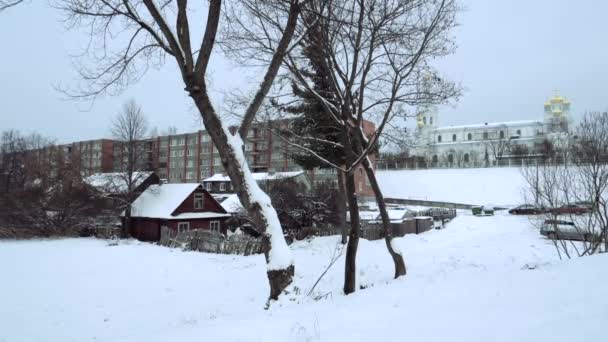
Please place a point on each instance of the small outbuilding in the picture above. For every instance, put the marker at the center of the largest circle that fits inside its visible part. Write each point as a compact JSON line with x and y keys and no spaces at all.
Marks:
{"x":177,"y":206}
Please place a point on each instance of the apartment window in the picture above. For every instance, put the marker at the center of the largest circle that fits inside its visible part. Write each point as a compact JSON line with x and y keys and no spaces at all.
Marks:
{"x":173,"y":142}
{"x":214,"y":226}
{"x":469,"y":136}
{"x":222,"y":186}
{"x":181,"y":141}
{"x":173,"y":153}
{"x":199,"y":200}
{"x":190,"y":163}
{"x":181,"y":153}
{"x":217,"y":161}
{"x":189,"y":175}
{"x":453,"y":137}
{"x":502,"y":134}
{"x":485,"y":135}
{"x":204,"y":138}
{"x":518,"y":132}
{"x":439,"y":138}
{"x":189,"y":153}
{"x":183,"y":227}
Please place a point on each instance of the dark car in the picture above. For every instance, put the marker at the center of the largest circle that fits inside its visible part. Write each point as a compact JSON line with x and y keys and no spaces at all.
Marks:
{"x":566,"y":230}
{"x":526,"y":209}
{"x":567,"y":209}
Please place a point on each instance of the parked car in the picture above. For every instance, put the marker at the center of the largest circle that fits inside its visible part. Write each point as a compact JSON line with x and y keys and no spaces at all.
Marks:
{"x":575,"y":209}
{"x":526,"y":209}
{"x":566,"y":230}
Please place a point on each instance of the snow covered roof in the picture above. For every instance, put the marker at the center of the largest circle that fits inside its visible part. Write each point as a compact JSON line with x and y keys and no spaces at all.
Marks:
{"x":257,"y":176}
{"x":364,"y":215}
{"x":159,"y":201}
{"x":116,"y":182}
{"x":232,"y":204}
{"x":492,"y":125}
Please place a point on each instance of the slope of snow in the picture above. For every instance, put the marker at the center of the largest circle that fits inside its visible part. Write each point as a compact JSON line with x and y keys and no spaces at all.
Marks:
{"x":499,"y":186}
{"x":480,"y":279}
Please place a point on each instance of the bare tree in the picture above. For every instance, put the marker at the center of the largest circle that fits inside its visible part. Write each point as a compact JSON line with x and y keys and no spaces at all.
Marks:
{"x":5,"y":4}
{"x":498,"y":146}
{"x":130,"y":129}
{"x":373,"y":57}
{"x":584,"y":183}
{"x":135,"y":34}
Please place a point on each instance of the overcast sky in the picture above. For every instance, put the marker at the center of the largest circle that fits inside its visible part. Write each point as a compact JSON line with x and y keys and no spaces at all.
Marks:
{"x":512,"y":55}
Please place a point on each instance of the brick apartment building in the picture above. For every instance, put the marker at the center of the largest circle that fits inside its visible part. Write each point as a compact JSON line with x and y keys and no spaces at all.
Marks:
{"x":192,"y":157}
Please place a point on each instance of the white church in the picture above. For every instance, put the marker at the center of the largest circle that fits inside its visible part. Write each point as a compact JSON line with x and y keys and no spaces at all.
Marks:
{"x":488,"y":144}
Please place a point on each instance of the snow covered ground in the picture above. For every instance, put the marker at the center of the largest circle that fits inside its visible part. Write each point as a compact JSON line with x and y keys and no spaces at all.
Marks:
{"x":480,"y":279}
{"x":498,"y":186}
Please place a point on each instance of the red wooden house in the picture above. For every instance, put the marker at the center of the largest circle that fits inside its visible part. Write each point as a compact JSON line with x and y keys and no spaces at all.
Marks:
{"x":180,"y":207}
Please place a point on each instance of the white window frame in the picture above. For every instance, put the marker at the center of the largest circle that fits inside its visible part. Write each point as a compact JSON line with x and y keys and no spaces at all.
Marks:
{"x":214,"y":226}
{"x":181,"y":225}
{"x":222,"y":186}
{"x":199,"y":198}
{"x":208,"y":186}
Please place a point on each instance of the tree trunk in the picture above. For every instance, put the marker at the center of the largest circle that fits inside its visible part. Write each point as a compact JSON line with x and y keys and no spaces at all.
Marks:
{"x":280,"y":269}
{"x":341,"y":198}
{"x":350,"y":268}
{"x":400,"y":269}
{"x":126,"y":226}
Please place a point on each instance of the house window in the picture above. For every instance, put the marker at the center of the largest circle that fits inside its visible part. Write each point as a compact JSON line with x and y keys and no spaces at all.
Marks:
{"x":208,"y":186}
{"x":214,"y":226}
{"x":469,"y":136}
{"x":453,"y":137}
{"x":199,"y":200}
{"x":222,"y":186}
{"x":439,"y":138}
{"x":183,"y":227}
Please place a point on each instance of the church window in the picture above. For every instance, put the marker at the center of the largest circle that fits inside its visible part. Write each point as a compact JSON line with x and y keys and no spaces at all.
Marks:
{"x":431,"y":120}
{"x":424,"y":120}
{"x":466,"y":157}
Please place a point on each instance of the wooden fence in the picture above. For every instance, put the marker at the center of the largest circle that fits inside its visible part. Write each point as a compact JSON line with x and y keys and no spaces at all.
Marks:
{"x":210,"y":242}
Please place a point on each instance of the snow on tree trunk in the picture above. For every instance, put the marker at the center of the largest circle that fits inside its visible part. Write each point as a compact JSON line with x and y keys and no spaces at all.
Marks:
{"x":230,"y":146}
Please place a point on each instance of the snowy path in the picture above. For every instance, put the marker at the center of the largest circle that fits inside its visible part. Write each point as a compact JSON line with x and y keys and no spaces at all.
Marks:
{"x":465,"y":283}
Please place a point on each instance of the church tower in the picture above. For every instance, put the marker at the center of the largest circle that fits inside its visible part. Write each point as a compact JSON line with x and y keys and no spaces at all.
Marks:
{"x":427,"y":115}
{"x":557,"y":114}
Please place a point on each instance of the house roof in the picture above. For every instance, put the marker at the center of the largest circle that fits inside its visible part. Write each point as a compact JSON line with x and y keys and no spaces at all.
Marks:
{"x":257,"y":176}
{"x":232,"y":204}
{"x":160,"y":201}
{"x":116,"y":182}
{"x":491,"y":125}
